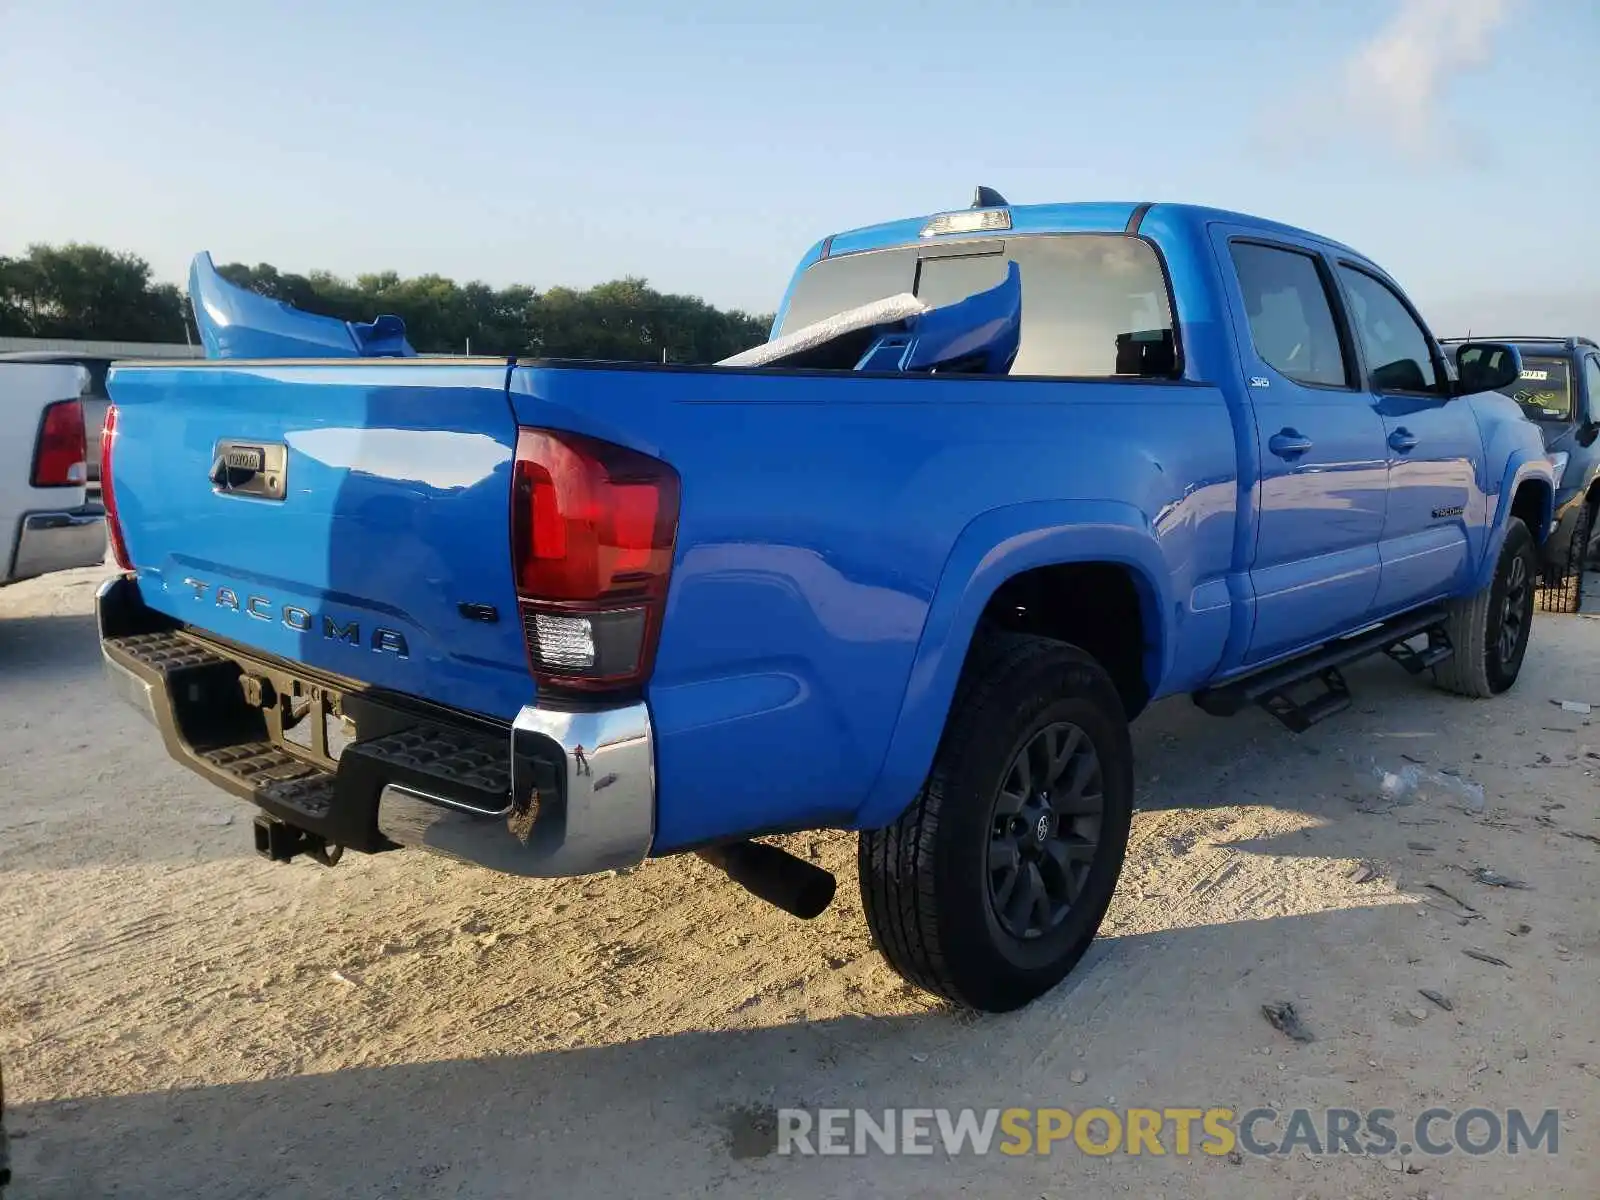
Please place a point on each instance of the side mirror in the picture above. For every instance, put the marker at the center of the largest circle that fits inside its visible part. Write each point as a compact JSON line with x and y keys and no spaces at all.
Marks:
{"x":1486,"y":367}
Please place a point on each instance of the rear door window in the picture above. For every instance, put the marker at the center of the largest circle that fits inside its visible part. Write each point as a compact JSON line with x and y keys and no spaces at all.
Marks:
{"x":1291,"y":317}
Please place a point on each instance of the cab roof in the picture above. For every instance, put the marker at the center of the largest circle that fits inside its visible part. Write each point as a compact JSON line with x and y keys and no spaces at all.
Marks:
{"x":1075,"y":217}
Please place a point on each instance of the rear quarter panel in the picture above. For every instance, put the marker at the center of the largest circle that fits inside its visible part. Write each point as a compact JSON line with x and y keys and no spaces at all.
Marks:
{"x":820,"y":517}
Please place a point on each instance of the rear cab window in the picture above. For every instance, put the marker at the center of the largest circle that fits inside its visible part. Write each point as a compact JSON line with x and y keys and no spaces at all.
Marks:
{"x":1094,"y":306}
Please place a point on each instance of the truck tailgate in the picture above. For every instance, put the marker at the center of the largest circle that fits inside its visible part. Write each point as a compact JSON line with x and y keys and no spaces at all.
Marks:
{"x":361,"y":524}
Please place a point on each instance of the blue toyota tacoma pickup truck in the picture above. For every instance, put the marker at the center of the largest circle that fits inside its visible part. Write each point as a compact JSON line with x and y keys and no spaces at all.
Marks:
{"x":1004,"y":476}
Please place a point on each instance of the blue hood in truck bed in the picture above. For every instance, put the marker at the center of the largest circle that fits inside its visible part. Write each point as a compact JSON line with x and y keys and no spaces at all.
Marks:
{"x":235,"y":322}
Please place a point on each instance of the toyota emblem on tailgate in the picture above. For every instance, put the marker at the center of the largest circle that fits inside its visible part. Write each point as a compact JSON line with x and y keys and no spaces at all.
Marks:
{"x":245,"y":458}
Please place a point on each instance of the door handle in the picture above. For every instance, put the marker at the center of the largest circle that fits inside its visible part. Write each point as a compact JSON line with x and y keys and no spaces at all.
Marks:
{"x":1402,"y":440}
{"x":1288,"y":443}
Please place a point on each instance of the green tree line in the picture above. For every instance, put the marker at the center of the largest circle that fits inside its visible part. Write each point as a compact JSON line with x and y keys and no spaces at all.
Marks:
{"x":90,"y":292}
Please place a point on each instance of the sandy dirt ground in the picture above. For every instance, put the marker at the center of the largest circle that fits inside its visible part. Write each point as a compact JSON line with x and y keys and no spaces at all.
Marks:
{"x":181,"y":1018}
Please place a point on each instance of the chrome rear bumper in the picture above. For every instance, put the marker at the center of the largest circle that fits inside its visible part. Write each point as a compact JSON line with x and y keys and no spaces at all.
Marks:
{"x":557,"y":793}
{"x":583,"y":789}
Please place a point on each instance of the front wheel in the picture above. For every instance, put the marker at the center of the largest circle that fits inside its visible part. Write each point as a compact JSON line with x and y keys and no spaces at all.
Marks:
{"x":992,"y":884}
{"x":1489,"y":629}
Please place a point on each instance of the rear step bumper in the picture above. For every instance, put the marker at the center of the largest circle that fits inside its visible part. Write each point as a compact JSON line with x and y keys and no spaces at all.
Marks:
{"x":553,"y":794}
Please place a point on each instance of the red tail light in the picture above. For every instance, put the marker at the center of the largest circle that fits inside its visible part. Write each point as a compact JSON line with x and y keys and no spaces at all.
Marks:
{"x":60,"y":458}
{"x":592,"y":531}
{"x":108,"y":495}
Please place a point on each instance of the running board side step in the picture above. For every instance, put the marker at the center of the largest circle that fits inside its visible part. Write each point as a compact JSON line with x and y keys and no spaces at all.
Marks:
{"x":1273,"y":687}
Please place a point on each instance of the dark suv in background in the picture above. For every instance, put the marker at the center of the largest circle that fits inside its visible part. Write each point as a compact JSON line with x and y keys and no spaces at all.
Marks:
{"x":1560,"y":393}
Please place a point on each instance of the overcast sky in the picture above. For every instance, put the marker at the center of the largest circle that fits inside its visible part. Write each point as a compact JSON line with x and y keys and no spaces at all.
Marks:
{"x":705,"y":145}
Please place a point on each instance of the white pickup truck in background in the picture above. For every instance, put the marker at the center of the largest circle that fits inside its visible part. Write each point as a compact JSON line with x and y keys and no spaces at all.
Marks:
{"x":48,"y":520}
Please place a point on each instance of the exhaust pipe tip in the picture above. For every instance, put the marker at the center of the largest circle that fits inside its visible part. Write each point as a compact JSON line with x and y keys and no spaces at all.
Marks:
{"x":799,"y":888}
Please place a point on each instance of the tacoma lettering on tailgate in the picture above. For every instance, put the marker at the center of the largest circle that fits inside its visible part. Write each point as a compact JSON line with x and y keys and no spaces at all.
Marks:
{"x":301,"y":620}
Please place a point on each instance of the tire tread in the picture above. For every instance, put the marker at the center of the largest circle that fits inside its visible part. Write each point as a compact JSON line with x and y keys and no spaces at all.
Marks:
{"x":897,"y":863}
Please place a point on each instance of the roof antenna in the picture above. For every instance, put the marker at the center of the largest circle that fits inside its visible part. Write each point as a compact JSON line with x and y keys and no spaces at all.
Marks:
{"x":987,"y":197}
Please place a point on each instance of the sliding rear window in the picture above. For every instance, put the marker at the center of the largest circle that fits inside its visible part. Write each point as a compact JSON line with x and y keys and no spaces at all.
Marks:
{"x":1093,"y":305}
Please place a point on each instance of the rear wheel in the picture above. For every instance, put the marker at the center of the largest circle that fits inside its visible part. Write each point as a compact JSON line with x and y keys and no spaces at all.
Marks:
{"x":1489,"y":629}
{"x":992,"y":884}
{"x":1561,"y":587}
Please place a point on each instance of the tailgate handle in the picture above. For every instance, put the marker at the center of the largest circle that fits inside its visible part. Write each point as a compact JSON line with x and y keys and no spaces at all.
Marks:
{"x":250,"y":469}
